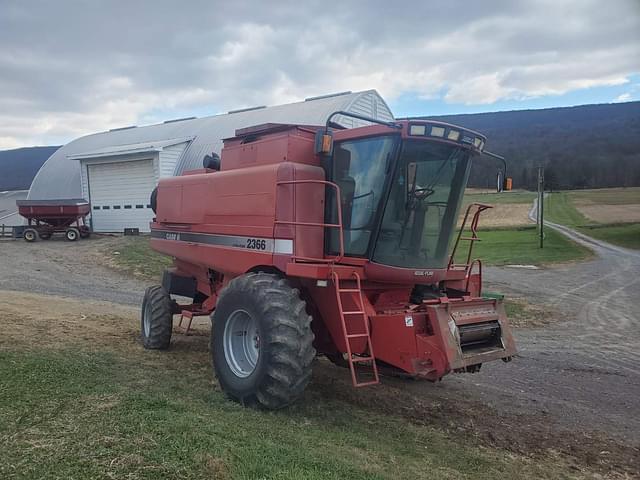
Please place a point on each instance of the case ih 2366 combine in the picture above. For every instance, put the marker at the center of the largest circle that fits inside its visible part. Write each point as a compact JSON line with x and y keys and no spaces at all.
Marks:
{"x":304,"y":240}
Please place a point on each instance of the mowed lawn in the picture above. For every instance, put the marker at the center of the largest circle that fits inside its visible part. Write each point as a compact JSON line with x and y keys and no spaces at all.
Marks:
{"x":610,"y":214}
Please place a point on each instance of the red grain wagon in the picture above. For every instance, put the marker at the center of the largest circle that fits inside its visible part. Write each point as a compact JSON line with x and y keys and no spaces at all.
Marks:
{"x":46,"y":217}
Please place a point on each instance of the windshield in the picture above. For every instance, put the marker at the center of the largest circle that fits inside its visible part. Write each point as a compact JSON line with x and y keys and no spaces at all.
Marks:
{"x":359,"y":168}
{"x":423,"y":204}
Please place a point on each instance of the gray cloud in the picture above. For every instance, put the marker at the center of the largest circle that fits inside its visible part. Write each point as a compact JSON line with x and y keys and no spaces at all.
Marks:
{"x":74,"y":67}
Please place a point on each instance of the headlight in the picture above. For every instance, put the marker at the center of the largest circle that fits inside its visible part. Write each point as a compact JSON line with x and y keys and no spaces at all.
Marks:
{"x":417,"y":129}
{"x":453,"y":135}
{"x":437,"y":131}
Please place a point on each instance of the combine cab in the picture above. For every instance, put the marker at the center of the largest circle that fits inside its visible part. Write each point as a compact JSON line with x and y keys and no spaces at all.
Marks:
{"x":313,"y":240}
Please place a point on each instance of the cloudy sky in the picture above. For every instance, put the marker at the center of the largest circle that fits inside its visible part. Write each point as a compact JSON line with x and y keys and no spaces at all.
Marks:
{"x":73,"y":67}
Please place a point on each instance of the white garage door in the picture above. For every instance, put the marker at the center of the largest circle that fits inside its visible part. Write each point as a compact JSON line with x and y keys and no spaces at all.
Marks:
{"x":120,"y":195}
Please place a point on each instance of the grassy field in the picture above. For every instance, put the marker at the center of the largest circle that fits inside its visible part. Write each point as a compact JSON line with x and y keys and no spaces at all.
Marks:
{"x":625,"y":235}
{"x":564,"y":208}
{"x":608,"y":196}
{"x":559,"y":208}
{"x":521,"y":246}
{"x":508,"y":236}
{"x":492,"y":198}
{"x":82,"y":414}
{"x":133,"y":255}
{"x":90,"y":403}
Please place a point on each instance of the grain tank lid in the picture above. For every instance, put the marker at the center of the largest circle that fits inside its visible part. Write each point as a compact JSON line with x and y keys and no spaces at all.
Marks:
{"x":265,"y":128}
{"x":63,"y":202}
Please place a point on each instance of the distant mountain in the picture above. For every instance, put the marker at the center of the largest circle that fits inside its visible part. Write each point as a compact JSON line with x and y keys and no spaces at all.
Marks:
{"x":19,"y":166}
{"x":589,"y":146}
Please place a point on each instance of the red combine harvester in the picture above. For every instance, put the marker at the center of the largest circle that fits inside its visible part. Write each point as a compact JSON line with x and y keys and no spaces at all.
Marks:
{"x":305,"y":240}
{"x":46,"y":217}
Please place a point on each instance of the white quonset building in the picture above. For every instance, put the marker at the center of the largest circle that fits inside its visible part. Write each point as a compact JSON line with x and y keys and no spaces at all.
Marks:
{"x":117,"y":170}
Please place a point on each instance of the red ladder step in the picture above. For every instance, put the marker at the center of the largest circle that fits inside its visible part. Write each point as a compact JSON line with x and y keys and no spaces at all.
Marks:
{"x":349,"y":336}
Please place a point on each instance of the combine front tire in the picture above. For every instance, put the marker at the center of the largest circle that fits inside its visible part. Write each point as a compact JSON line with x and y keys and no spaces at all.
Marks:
{"x":261,"y":342}
{"x":156,"y":321}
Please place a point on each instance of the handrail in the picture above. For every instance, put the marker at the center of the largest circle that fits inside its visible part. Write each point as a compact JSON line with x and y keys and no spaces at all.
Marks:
{"x":338,"y":225}
{"x":480,"y":207}
{"x":468,"y":275}
{"x":361,"y":117}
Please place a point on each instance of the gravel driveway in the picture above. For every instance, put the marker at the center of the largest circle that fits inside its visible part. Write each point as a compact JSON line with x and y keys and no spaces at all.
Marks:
{"x":71,"y":269}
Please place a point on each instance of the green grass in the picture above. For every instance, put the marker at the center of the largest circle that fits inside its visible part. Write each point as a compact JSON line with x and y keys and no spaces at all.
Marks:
{"x":521,"y":246}
{"x":623,"y":234}
{"x":78,"y":414}
{"x":560,"y":208}
{"x":135,"y":256}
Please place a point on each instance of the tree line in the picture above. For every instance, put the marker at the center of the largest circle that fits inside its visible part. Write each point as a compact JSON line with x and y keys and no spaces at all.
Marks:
{"x":590,"y":146}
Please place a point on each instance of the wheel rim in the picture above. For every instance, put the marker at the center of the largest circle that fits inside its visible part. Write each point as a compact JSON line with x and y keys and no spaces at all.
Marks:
{"x":146,"y":320}
{"x":241,"y":342}
{"x":71,"y":235}
{"x":29,"y":236}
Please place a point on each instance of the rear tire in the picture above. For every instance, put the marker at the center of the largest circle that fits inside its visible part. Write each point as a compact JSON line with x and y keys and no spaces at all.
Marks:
{"x":72,"y":234}
{"x":156,"y":320}
{"x":30,"y":235}
{"x":261,"y":342}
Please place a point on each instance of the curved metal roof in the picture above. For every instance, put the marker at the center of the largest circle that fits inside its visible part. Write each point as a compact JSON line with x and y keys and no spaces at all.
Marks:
{"x":59,"y":177}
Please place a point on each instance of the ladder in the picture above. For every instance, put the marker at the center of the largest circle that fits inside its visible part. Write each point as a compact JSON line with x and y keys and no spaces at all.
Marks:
{"x":348,"y":337}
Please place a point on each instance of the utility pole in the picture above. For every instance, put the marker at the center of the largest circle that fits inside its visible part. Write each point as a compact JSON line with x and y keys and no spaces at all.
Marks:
{"x":541,"y":205}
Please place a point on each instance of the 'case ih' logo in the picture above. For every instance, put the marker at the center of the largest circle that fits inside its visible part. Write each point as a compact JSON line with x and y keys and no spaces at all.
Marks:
{"x":172,"y":236}
{"x":423,"y":273}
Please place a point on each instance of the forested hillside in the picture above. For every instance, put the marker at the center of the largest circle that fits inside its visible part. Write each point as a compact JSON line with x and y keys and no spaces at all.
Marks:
{"x":588,"y":146}
{"x":19,"y":166}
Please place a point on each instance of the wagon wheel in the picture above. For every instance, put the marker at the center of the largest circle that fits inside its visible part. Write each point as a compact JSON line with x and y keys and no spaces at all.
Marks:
{"x":30,"y":234}
{"x":72,"y":234}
